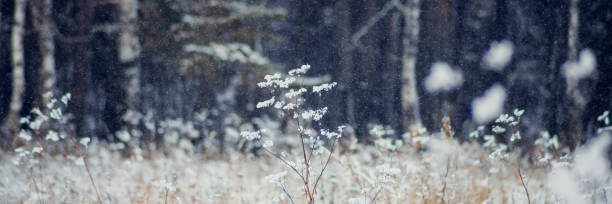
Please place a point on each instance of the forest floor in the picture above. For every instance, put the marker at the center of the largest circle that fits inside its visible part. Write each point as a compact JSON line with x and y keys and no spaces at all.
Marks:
{"x":445,"y":171}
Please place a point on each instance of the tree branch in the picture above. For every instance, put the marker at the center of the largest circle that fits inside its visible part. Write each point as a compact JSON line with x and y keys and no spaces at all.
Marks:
{"x":372,"y":21}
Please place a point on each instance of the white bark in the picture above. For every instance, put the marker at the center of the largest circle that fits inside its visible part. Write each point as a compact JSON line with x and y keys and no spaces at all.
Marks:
{"x":410,"y":101}
{"x":18,"y":64}
{"x":576,"y":103}
{"x":573,"y":30}
{"x":129,"y":48}
{"x":47,"y":49}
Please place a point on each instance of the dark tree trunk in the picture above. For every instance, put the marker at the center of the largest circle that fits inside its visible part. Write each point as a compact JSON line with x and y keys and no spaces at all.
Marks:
{"x":81,"y":73}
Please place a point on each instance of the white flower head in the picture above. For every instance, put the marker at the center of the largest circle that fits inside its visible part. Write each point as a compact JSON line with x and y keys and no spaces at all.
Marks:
{"x":293,"y":93}
{"x":265,"y":103}
{"x":24,"y":120}
{"x":290,"y":106}
{"x":276,"y":178}
{"x":52,"y":136}
{"x":499,"y":152}
{"x":56,"y":113}
{"x":66,"y":98}
{"x":604,"y":117}
{"x":24,"y":135}
{"x":299,"y":71}
{"x":124,"y":135}
{"x":505,"y":118}
{"x":37,"y":150}
{"x":329,"y":134}
{"x":267,"y":144}
{"x":85,"y":141}
{"x":248,"y":135}
{"x":518,"y":112}
{"x":315,"y":115}
{"x":489,"y":141}
{"x":515,"y":136}
{"x":499,"y":129}
{"x":323,"y":87}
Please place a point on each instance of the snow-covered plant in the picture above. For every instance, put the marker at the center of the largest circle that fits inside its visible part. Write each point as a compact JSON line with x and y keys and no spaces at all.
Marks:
{"x":46,"y":126}
{"x":605,"y":119}
{"x":546,"y":147}
{"x":506,"y":126}
{"x":287,"y":99}
{"x":384,"y":138}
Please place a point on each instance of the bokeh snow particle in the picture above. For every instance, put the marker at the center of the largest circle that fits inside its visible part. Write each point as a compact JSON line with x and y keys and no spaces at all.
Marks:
{"x":499,"y":55}
{"x":442,"y":78}
{"x":581,"y":68}
{"x":490,"y":105}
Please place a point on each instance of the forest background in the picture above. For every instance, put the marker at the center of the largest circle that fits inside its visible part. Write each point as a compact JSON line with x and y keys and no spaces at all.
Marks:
{"x":179,"y":59}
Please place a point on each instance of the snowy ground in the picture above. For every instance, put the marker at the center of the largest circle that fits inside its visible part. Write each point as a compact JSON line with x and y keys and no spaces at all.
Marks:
{"x":445,"y":171}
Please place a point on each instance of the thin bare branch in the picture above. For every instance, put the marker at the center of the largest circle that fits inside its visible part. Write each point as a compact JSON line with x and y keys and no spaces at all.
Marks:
{"x":372,"y":21}
{"x":331,"y":151}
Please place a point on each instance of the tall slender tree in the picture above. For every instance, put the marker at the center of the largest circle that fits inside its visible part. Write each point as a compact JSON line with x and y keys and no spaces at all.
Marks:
{"x":80,"y":75}
{"x":129,"y":49}
{"x":410,"y":100}
{"x":346,"y":61}
{"x":18,"y":66}
{"x":42,"y":14}
{"x":576,"y":102}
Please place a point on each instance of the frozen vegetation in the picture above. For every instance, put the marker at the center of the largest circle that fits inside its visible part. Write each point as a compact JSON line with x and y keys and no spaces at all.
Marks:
{"x":443,"y":170}
{"x":406,"y":101}
{"x":301,"y":163}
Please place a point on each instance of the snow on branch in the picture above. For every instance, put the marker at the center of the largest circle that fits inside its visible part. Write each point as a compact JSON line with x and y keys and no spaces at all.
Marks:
{"x":372,"y":21}
{"x":238,"y":11}
{"x":234,"y":52}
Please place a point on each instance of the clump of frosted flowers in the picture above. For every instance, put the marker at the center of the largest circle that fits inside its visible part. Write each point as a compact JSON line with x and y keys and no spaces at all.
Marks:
{"x":287,"y":99}
{"x":506,"y":123}
{"x":41,"y":123}
{"x":384,"y":139}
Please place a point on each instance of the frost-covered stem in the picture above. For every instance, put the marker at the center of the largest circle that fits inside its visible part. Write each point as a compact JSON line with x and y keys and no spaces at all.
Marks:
{"x":129,"y":48}
{"x":18,"y":67}
{"x":376,"y":195}
{"x":86,"y":164}
{"x":523,"y":182}
{"x":286,"y":192}
{"x":283,"y":160}
{"x":165,"y":195}
{"x":331,"y":151}
{"x":306,"y":165}
{"x":410,"y":101}
{"x":91,"y":177}
{"x":36,"y":186}
{"x":306,"y":160}
{"x":445,"y":176}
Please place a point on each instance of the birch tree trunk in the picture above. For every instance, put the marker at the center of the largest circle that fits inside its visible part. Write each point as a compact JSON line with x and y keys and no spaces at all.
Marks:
{"x":46,"y":46}
{"x":18,"y":67}
{"x":575,"y":100}
{"x":410,"y":101}
{"x":129,"y":49}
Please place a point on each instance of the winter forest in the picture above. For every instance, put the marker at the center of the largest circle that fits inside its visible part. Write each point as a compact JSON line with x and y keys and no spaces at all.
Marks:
{"x":305,"y":101}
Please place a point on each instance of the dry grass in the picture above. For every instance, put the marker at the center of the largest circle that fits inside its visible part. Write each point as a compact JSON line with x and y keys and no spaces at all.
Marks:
{"x":446,"y":172}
